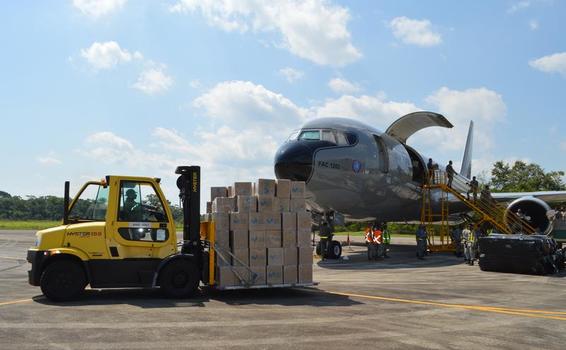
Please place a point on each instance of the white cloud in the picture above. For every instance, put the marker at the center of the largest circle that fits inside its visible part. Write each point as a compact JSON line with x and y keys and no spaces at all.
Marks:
{"x":98,"y":8}
{"x":555,"y":63}
{"x":291,"y":74}
{"x":153,"y":81}
{"x":244,"y":104}
{"x":107,"y":55}
{"x":314,"y":29}
{"x":533,"y":24}
{"x":485,"y":107}
{"x":518,"y":6}
{"x":373,"y":110}
{"x":49,"y":159}
{"x":415,"y":32}
{"x":343,"y":86}
{"x":195,"y":84}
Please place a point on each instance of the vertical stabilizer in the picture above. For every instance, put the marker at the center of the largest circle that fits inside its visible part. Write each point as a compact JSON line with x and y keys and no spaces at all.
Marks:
{"x":466,"y":169}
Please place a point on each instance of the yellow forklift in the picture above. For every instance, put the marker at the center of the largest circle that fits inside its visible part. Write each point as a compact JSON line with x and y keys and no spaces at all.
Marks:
{"x":119,"y":232}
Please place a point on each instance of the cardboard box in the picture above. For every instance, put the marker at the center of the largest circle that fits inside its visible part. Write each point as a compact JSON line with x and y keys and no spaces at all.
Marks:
{"x":224,"y":276}
{"x":222,"y":232}
{"x":274,"y":274}
{"x":257,"y":222}
{"x":264,"y":187}
{"x":241,"y":275}
{"x":297,"y":205}
{"x":218,"y":192}
{"x":305,"y":255}
{"x":290,"y":256}
{"x":258,"y":257}
{"x":239,"y":239}
{"x":288,"y":239}
{"x":273,"y":239}
{"x":304,"y":238}
{"x":241,"y":257}
{"x":267,"y":204}
{"x":274,"y":256}
{"x":290,"y":274}
{"x":297,"y":189}
{"x":223,"y":205}
{"x":289,"y":222}
{"x":305,"y":273}
{"x":256,"y":239}
{"x":260,"y":271}
{"x":241,"y":189}
{"x":271,"y":221}
{"x":283,"y":204}
{"x":239,"y":221}
{"x":303,"y":221}
{"x":283,"y":189}
{"x":246,"y":204}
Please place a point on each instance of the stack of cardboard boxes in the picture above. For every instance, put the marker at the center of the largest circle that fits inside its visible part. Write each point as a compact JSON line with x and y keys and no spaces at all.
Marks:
{"x":266,"y":228}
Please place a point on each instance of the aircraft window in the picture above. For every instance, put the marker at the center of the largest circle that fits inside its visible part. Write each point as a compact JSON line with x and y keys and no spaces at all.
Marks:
{"x":352,"y":138}
{"x":341,"y":138}
{"x":328,"y":135}
{"x":313,"y":135}
{"x":293,"y":136}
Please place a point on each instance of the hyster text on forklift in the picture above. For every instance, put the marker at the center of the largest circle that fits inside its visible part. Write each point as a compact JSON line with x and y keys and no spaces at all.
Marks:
{"x":119,"y":232}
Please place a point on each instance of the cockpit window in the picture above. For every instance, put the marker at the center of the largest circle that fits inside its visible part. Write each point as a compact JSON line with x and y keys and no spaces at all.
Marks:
{"x":352,"y":138}
{"x":293,"y":136}
{"x":312,"y":135}
{"x":328,"y":135}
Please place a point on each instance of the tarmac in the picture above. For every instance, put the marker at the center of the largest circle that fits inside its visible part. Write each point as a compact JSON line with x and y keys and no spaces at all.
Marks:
{"x":396,"y":303}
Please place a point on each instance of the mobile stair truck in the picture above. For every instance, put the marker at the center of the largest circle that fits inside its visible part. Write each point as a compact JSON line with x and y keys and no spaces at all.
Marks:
{"x":119,"y":233}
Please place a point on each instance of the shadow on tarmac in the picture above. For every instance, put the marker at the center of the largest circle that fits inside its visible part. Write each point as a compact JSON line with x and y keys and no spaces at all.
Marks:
{"x":400,"y":257}
{"x":152,"y":298}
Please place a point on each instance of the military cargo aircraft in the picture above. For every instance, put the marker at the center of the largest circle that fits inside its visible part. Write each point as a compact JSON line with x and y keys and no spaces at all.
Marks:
{"x":365,"y":174}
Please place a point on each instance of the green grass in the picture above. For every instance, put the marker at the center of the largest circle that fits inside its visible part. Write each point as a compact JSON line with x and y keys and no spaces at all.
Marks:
{"x":27,"y":224}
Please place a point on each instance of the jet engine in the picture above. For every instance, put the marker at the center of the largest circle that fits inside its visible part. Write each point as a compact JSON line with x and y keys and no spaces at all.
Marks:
{"x":535,"y":210}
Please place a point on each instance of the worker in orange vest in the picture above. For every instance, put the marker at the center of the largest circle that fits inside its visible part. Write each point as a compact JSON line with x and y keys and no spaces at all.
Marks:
{"x":374,"y":241}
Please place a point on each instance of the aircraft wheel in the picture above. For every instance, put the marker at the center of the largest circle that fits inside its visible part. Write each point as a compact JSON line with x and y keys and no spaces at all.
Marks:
{"x":63,"y":280}
{"x":335,"y":250}
{"x":179,"y":279}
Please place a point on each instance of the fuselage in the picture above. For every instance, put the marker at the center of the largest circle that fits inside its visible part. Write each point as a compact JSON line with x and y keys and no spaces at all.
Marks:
{"x":354,"y":169}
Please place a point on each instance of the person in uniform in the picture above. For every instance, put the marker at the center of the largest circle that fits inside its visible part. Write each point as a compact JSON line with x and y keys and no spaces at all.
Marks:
{"x":468,"y":243}
{"x":473,"y":189}
{"x":450,"y":173}
{"x":421,"y":236}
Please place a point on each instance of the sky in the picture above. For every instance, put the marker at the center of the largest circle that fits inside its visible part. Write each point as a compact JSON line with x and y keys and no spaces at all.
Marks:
{"x":90,"y":88}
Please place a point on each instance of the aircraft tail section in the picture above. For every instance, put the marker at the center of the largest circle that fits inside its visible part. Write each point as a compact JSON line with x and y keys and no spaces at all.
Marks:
{"x":466,"y":169}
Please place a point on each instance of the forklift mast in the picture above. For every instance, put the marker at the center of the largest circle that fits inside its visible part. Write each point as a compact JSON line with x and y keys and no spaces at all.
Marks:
{"x":189,"y":193}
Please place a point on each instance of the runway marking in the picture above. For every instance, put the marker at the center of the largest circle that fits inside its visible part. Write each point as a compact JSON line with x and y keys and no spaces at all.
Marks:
{"x":495,"y":309}
{"x":12,"y":258}
{"x":15,"y":302}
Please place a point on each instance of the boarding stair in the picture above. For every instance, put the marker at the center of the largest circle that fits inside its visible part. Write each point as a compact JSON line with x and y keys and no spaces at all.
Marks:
{"x":485,"y":210}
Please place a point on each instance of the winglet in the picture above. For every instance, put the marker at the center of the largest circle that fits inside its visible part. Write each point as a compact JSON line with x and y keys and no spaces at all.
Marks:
{"x":466,"y":169}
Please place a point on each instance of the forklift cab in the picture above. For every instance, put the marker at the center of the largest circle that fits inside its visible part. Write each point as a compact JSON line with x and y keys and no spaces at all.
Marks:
{"x":118,"y":232}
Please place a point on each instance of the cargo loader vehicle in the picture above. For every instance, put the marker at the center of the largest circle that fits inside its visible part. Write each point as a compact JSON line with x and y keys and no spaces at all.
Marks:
{"x":119,"y":233}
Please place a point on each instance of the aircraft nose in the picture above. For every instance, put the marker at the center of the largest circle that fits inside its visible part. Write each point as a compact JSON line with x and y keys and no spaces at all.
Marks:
{"x":293,"y":161}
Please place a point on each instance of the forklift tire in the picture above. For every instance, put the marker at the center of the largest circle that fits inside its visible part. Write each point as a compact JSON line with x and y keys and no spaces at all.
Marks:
{"x":63,"y":280}
{"x":335,"y":250}
{"x":179,"y":279}
{"x":318,"y":248}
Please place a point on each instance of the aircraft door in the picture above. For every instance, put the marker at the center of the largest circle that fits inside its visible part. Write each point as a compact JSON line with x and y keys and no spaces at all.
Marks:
{"x":382,"y":154}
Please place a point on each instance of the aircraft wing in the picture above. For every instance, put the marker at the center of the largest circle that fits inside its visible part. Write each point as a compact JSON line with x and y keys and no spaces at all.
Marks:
{"x":547,"y":196}
{"x":409,"y":124}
